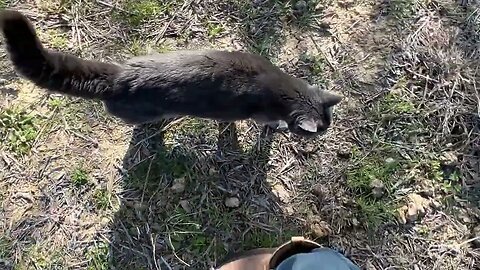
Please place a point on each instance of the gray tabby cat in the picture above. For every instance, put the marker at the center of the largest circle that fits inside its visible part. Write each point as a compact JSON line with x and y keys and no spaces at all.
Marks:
{"x":219,"y":85}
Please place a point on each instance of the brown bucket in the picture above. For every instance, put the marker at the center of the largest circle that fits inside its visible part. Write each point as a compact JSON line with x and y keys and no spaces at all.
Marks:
{"x":268,"y":258}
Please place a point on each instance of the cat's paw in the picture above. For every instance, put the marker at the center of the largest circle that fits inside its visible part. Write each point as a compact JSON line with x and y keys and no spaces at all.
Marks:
{"x":278,"y":125}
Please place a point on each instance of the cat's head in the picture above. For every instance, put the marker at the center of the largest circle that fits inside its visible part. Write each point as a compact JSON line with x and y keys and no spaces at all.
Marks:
{"x":313,"y":111}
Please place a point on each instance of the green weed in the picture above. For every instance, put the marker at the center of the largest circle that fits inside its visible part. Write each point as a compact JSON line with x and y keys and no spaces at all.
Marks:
{"x":214,"y":29}
{"x":396,"y":104}
{"x":41,"y":257}
{"x":137,"y":47}
{"x":257,"y":238}
{"x":19,"y":130}
{"x":97,"y":257}
{"x":265,"y":45}
{"x":55,"y":6}
{"x":220,"y":218}
{"x":200,"y":243}
{"x":195,"y":126}
{"x":317,"y":64}
{"x":360,"y":179}
{"x":6,"y":248}
{"x":304,"y":15}
{"x":432,"y":169}
{"x":102,"y":198}
{"x":55,"y":39}
{"x":374,"y":213}
{"x":402,"y":9}
{"x":56,"y":102}
{"x":141,"y":11}
{"x":140,"y":47}
{"x":79,"y":177}
{"x":185,"y":231}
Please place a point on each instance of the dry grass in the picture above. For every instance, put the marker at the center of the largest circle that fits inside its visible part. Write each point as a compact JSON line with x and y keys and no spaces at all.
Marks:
{"x":81,"y":190}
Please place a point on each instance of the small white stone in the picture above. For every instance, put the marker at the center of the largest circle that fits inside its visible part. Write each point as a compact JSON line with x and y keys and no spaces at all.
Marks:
{"x":178,"y":185}
{"x":389,"y":160}
{"x":401,"y":214}
{"x":476,"y":236}
{"x":232,"y":202}
{"x":412,"y":212}
{"x":186,"y":206}
{"x":301,"y":6}
{"x":355,"y":222}
{"x":378,"y":188}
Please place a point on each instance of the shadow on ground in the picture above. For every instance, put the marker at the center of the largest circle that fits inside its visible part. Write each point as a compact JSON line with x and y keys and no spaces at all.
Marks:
{"x":190,"y":204}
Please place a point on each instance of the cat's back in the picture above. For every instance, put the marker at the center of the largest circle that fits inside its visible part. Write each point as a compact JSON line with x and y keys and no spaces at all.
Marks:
{"x":204,"y":61}
{"x":204,"y":71}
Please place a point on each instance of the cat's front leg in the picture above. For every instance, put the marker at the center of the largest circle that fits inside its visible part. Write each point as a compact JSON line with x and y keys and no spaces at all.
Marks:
{"x":278,"y":125}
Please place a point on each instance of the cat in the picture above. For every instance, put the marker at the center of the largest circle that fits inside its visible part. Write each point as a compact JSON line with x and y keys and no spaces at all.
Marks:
{"x":226,"y":86}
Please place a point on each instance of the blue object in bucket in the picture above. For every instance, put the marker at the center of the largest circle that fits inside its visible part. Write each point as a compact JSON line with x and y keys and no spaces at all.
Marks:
{"x":318,"y":259}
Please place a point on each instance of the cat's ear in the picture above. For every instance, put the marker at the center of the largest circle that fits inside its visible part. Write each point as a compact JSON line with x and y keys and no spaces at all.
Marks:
{"x":307,"y":125}
{"x":331,"y":99}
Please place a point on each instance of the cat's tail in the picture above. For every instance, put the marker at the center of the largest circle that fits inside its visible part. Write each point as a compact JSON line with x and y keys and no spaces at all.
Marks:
{"x":54,"y":71}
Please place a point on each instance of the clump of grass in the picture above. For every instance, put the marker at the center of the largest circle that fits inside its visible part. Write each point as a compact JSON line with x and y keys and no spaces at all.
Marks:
{"x":140,"y":47}
{"x":317,"y":65}
{"x":185,"y":231}
{"x":97,"y":257}
{"x":448,"y":183}
{"x":402,"y":9}
{"x":19,"y":130}
{"x":55,"y":39}
{"x":395,"y":103}
{"x":214,"y":30}
{"x":137,"y":47}
{"x":78,"y":113}
{"x":265,"y":45}
{"x":172,"y":159}
{"x":55,"y":6}
{"x":79,"y":177}
{"x":433,"y":170}
{"x":360,"y":179}
{"x":141,"y":11}
{"x":395,"y":106}
{"x":56,"y":102}
{"x":220,"y":218}
{"x":101,"y":198}
{"x":256,"y":238}
{"x":200,"y":243}
{"x":304,"y":13}
{"x":6,"y":248}
{"x":194,"y":126}
{"x":3,"y":3}
{"x":373,"y":211}
{"x":260,"y":238}
{"x":41,"y":257}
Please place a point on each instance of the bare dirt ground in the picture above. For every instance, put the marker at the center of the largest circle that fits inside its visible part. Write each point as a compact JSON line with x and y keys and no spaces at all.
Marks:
{"x":394,"y":184}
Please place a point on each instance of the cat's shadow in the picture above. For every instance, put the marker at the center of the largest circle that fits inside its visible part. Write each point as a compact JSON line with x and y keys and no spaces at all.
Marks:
{"x":182,"y":204}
